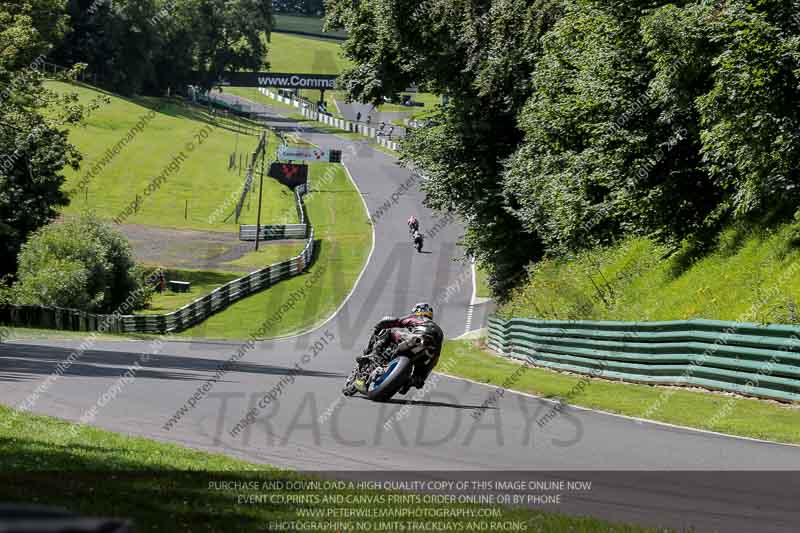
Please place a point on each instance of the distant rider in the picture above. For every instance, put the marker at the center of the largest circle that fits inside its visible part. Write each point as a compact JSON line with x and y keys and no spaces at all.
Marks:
{"x":421,"y":315}
{"x":413,"y":224}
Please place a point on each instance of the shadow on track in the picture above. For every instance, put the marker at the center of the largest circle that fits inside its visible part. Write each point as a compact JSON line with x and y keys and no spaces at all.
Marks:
{"x":19,"y":362}
{"x":428,"y":403}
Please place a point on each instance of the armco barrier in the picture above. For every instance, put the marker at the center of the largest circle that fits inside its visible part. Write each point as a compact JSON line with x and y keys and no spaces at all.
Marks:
{"x":744,"y":358}
{"x":37,"y":316}
{"x":280,"y":231}
{"x":272,"y":232}
{"x":185,"y":317}
{"x":344,"y":125}
{"x":221,"y":297}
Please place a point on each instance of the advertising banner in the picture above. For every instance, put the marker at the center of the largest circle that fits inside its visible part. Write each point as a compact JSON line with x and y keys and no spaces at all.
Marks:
{"x":308,"y":153}
{"x":302,"y":153}
{"x":277,"y":79}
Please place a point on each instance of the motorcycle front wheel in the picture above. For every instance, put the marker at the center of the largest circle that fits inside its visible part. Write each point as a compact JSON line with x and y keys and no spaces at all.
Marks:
{"x":391,"y":381}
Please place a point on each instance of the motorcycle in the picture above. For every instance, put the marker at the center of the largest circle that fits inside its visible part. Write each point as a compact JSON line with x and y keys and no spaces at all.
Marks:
{"x":389,"y":369}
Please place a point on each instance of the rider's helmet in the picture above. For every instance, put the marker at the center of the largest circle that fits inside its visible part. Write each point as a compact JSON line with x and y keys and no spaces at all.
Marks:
{"x":423,"y":310}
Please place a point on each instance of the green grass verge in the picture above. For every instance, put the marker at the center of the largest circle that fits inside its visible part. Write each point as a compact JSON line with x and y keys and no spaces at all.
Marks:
{"x":750,"y":276}
{"x":343,"y":236}
{"x":309,"y":55}
{"x":202,"y":179}
{"x":251,"y":93}
{"x":330,"y":100}
{"x":268,"y":253}
{"x":203,"y":282}
{"x":164,"y":487}
{"x":703,"y":410}
{"x":482,"y":283}
{"x":27,"y":334}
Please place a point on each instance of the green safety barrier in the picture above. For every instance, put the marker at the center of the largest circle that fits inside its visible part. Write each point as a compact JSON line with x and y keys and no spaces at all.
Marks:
{"x":744,"y":358}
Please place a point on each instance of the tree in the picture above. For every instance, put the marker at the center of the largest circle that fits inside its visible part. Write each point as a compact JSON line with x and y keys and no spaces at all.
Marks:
{"x":667,"y":122}
{"x":480,"y":54}
{"x":228,"y":35}
{"x":577,"y":122}
{"x":116,"y":38}
{"x":148,"y":46}
{"x":80,"y":264}
{"x":33,"y":137}
{"x":600,"y":158}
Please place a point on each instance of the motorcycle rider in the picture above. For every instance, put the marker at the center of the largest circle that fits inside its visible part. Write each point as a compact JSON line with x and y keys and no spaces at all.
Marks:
{"x":413,"y":224}
{"x":421,"y":315}
{"x":417,"y":237}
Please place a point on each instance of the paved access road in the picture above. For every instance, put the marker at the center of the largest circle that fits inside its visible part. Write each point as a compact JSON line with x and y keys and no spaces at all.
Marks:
{"x":310,"y":426}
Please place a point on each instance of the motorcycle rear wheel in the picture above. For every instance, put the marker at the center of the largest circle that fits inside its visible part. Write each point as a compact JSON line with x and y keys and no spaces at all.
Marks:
{"x":396,"y":375}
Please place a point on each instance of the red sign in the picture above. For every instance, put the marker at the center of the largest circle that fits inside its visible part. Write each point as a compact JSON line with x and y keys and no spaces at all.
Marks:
{"x":290,"y":174}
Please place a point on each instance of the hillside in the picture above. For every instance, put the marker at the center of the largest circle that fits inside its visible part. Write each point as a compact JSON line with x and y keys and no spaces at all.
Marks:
{"x":294,"y":53}
{"x":126,"y":143}
{"x":751,"y":275}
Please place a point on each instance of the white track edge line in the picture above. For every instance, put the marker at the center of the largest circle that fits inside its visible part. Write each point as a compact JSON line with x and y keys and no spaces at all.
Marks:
{"x":628,"y":417}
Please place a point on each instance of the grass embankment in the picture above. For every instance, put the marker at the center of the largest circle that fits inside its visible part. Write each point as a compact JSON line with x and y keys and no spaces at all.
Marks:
{"x":202,"y":177}
{"x":293,"y":53}
{"x":715,"y":412}
{"x":752,"y":275}
{"x":482,"y":283}
{"x":202,"y":282}
{"x":205,"y":281}
{"x":302,"y":54}
{"x":343,"y":238}
{"x":164,"y":487}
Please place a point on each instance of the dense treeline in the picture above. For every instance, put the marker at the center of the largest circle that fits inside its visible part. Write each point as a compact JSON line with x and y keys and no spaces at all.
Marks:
{"x":34,"y":148}
{"x":150,"y":46}
{"x":574,"y":122}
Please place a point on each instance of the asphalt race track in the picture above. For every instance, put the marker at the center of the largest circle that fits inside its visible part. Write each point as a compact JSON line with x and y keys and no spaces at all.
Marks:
{"x":310,"y":426}
{"x":350,"y":112}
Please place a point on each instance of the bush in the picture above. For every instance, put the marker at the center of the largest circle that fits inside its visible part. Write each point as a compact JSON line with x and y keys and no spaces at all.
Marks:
{"x":81,"y":264}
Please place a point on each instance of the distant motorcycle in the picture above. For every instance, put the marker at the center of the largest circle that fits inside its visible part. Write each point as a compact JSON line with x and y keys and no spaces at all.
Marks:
{"x":389,"y":369}
{"x":418,"y":241}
